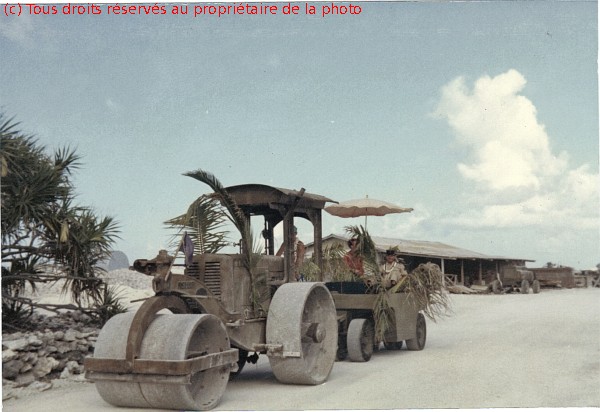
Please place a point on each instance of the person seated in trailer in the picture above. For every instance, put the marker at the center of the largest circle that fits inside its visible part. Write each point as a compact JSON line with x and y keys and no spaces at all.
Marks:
{"x":392,"y":270}
{"x":298,"y":257}
{"x":353,"y":259}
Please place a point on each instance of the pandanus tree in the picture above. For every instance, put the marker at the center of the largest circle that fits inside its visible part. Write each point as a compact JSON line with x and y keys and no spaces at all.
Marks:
{"x":46,"y":236}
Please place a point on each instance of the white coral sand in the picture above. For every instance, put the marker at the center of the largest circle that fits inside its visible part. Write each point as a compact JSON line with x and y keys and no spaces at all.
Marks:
{"x":494,"y":351}
{"x":130,"y":286}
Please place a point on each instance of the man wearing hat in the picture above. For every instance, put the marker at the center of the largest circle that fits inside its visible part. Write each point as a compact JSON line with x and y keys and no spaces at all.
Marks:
{"x":392,"y":270}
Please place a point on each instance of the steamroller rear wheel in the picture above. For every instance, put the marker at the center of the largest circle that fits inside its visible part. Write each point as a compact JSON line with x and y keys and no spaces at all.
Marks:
{"x":302,"y":333}
{"x":360,"y":340}
{"x":168,"y":337}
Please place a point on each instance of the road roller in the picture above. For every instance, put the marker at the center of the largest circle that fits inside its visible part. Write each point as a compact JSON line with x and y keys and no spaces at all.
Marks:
{"x":211,"y":315}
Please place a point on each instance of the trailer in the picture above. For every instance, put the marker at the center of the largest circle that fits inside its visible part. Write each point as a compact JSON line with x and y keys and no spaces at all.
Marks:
{"x":356,"y":332}
{"x":516,"y":279}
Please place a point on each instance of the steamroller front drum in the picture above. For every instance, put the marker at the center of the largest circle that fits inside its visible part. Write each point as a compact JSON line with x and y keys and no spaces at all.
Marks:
{"x":169,"y":337}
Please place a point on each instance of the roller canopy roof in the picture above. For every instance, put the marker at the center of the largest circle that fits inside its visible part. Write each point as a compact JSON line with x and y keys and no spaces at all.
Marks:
{"x":260,"y":199}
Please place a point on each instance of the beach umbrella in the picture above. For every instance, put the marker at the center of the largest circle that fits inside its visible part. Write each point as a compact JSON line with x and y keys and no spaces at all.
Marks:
{"x":365,"y":207}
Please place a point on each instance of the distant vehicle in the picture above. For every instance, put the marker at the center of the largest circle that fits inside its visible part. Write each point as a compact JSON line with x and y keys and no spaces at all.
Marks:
{"x":516,"y":279}
{"x":558,"y":277}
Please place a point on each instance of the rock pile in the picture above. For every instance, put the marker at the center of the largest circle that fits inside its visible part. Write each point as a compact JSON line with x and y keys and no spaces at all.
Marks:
{"x":55,"y":350}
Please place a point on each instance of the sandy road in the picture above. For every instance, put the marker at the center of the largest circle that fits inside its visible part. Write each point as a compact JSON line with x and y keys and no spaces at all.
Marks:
{"x":494,"y":351}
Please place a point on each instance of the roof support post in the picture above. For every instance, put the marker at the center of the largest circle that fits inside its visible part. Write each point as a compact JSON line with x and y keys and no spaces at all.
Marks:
{"x":246,"y":230}
{"x":288,"y":255}
{"x":316,"y":220}
{"x":443,"y":273}
{"x":268,"y":235}
{"x":462,"y":272}
{"x":288,"y":234}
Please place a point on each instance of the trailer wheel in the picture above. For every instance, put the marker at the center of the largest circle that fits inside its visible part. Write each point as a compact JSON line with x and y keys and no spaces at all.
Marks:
{"x":302,"y":333}
{"x":360,"y":340}
{"x":536,"y":286}
{"x":392,"y":345}
{"x":418,"y":343}
{"x":525,"y":286}
{"x":342,"y":350}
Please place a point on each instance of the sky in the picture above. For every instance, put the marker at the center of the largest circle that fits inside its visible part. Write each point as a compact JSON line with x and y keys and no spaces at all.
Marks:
{"x":482,"y":116}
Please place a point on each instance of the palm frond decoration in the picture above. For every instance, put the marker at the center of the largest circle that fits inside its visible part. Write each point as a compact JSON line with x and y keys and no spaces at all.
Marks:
{"x":239,"y":220}
{"x":260,"y":290}
{"x":334,"y":265}
{"x":425,"y":286}
{"x":367,"y":250}
{"x":382,"y":314}
{"x":234,"y":213}
{"x":310,"y":270}
{"x":203,"y":221}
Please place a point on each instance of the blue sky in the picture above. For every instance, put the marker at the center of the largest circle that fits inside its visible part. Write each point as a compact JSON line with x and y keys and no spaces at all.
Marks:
{"x":482,"y":116}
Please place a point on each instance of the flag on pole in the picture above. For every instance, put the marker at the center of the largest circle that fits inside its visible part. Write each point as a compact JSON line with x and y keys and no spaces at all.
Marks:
{"x":187,"y":247}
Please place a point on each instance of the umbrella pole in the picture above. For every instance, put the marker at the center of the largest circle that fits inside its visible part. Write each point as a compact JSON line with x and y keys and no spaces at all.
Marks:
{"x":366,"y":197}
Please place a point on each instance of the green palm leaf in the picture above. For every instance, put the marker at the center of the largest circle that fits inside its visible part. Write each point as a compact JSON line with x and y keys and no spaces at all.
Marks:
{"x":203,"y":221}
{"x":239,"y":220}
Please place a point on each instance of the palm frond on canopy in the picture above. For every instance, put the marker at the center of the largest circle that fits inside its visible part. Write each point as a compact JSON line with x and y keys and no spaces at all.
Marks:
{"x":250,"y":251}
{"x":203,"y":221}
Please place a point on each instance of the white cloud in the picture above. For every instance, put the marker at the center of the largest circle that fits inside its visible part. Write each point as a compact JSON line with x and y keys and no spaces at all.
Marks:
{"x":519,"y":181}
{"x":112,"y":105}
{"x":18,"y":29}
{"x":403,"y":224}
{"x":509,"y":148}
